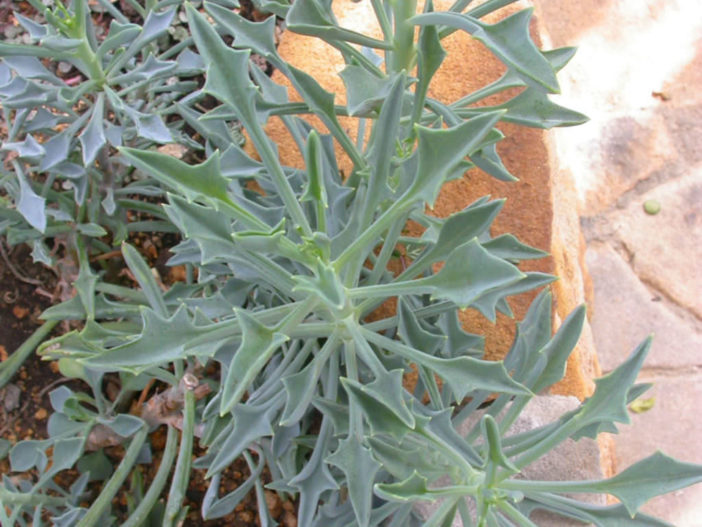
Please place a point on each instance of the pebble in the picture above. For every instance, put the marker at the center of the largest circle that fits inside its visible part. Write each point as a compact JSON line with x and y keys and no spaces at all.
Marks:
{"x":652,"y":207}
{"x":20,"y":312}
{"x":10,"y":396}
{"x":41,"y":414}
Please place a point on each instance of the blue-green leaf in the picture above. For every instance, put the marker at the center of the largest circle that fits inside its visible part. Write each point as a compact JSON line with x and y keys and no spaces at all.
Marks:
{"x":440,"y":150}
{"x":30,"y":204}
{"x":467,"y":224}
{"x":468,"y":273}
{"x":307,"y":17}
{"x":359,"y":467}
{"x":657,"y":474}
{"x":366,"y":92}
{"x":258,"y":344}
{"x":508,"y":39}
{"x":380,"y":413}
{"x":195,"y":181}
{"x":92,"y":139}
{"x":142,"y":274}
{"x":609,"y":402}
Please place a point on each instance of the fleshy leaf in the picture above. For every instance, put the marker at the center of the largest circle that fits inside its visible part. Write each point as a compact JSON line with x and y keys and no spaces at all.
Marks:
{"x":31,"y":205}
{"x":381,"y":417}
{"x":415,"y":335}
{"x":92,"y":139}
{"x":508,"y":247}
{"x":440,"y":150}
{"x":172,"y":334}
{"x":657,"y":474}
{"x":492,"y":300}
{"x":210,"y":229}
{"x":464,"y":225}
{"x":250,"y":423}
{"x":608,"y":403}
{"x":142,"y":273}
{"x":508,"y":39}
{"x":258,"y":344}
{"x":491,"y":437}
{"x":325,"y":285}
{"x":365,"y":92}
{"x":468,"y":273}
{"x":307,"y":17}
{"x":204,"y":179}
{"x":359,"y":467}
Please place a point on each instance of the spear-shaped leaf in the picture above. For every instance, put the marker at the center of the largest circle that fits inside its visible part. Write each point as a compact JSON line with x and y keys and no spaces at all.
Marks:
{"x":194,"y":181}
{"x":468,"y":273}
{"x":258,"y":344}
{"x":382,"y":415}
{"x":509,"y":39}
{"x":359,"y":467}
{"x":440,"y":150}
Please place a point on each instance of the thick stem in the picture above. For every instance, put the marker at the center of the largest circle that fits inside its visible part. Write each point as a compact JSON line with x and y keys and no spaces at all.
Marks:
{"x":404,"y":52}
{"x":115,"y":482}
{"x":181,"y":476}
{"x":143,"y":510}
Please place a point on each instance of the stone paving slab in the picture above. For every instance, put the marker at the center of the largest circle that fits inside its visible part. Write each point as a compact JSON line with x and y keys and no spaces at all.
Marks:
{"x":664,"y":249}
{"x":625,"y":312}
{"x":637,"y":74}
{"x":673,"y":425}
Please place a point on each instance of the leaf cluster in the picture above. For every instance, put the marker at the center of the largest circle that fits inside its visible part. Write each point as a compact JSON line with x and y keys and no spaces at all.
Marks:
{"x":286,"y":268}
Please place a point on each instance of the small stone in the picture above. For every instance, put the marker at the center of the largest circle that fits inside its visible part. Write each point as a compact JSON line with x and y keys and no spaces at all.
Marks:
{"x":10,"y":396}
{"x":173,"y":150}
{"x":20,"y":312}
{"x":275,"y":507}
{"x":177,"y":273}
{"x":41,"y":414}
{"x":3,"y":353}
{"x":652,"y":207}
{"x":640,"y":405}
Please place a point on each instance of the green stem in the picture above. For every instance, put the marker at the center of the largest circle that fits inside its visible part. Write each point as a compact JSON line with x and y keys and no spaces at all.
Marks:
{"x":84,"y":53}
{"x":355,"y":416}
{"x":115,"y":482}
{"x":270,"y":160}
{"x":10,"y":366}
{"x":181,"y":476}
{"x":360,"y":244}
{"x":8,"y":498}
{"x":141,"y":513}
{"x":548,"y":443}
{"x":424,"y":312}
{"x":393,"y":289}
{"x":383,"y":19}
{"x":386,"y":253}
{"x":403,"y":54}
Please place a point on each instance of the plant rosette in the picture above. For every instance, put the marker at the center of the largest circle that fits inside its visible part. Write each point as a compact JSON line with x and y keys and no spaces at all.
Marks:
{"x":290,"y":263}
